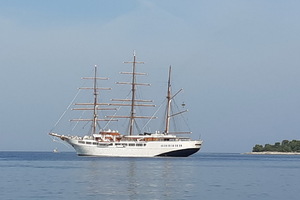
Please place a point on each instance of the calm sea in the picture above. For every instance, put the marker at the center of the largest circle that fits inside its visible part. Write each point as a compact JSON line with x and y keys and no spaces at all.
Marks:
{"x":204,"y":176}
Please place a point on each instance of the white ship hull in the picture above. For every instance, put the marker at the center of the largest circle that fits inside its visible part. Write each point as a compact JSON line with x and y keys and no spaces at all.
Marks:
{"x":140,"y":149}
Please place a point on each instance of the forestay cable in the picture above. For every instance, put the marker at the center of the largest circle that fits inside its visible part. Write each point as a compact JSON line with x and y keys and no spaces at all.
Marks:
{"x":65,"y":111}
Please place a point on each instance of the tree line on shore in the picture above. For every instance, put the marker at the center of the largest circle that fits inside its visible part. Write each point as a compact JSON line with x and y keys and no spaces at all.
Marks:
{"x":284,"y":146}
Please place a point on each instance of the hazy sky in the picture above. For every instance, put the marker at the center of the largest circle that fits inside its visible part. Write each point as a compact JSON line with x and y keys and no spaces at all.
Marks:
{"x":238,"y":61}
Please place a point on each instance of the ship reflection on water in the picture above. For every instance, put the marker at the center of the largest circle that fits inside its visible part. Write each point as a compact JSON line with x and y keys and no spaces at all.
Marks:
{"x":135,"y":178}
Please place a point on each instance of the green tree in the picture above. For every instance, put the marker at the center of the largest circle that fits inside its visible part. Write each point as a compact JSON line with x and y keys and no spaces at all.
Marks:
{"x":269,"y":147}
{"x":258,"y":148}
{"x":284,"y":146}
{"x":285,"y":142}
{"x":295,"y":145}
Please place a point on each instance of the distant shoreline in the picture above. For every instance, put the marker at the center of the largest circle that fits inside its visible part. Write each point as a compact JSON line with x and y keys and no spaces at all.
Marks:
{"x":273,"y":153}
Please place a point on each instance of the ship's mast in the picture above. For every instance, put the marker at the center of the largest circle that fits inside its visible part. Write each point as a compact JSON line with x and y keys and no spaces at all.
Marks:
{"x":134,"y":102}
{"x":169,"y":99}
{"x":95,"y":106}
{"x":133,"y":88}
{"x":94,"y":126}
{"x":133,"y":96}
{"x":169,"y":115}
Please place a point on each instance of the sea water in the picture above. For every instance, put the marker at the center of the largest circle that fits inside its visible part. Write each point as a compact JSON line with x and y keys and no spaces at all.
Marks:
{"x":203,"y":176}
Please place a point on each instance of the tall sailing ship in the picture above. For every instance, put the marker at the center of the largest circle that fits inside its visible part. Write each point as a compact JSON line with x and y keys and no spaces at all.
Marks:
{"x":105,"y":142}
